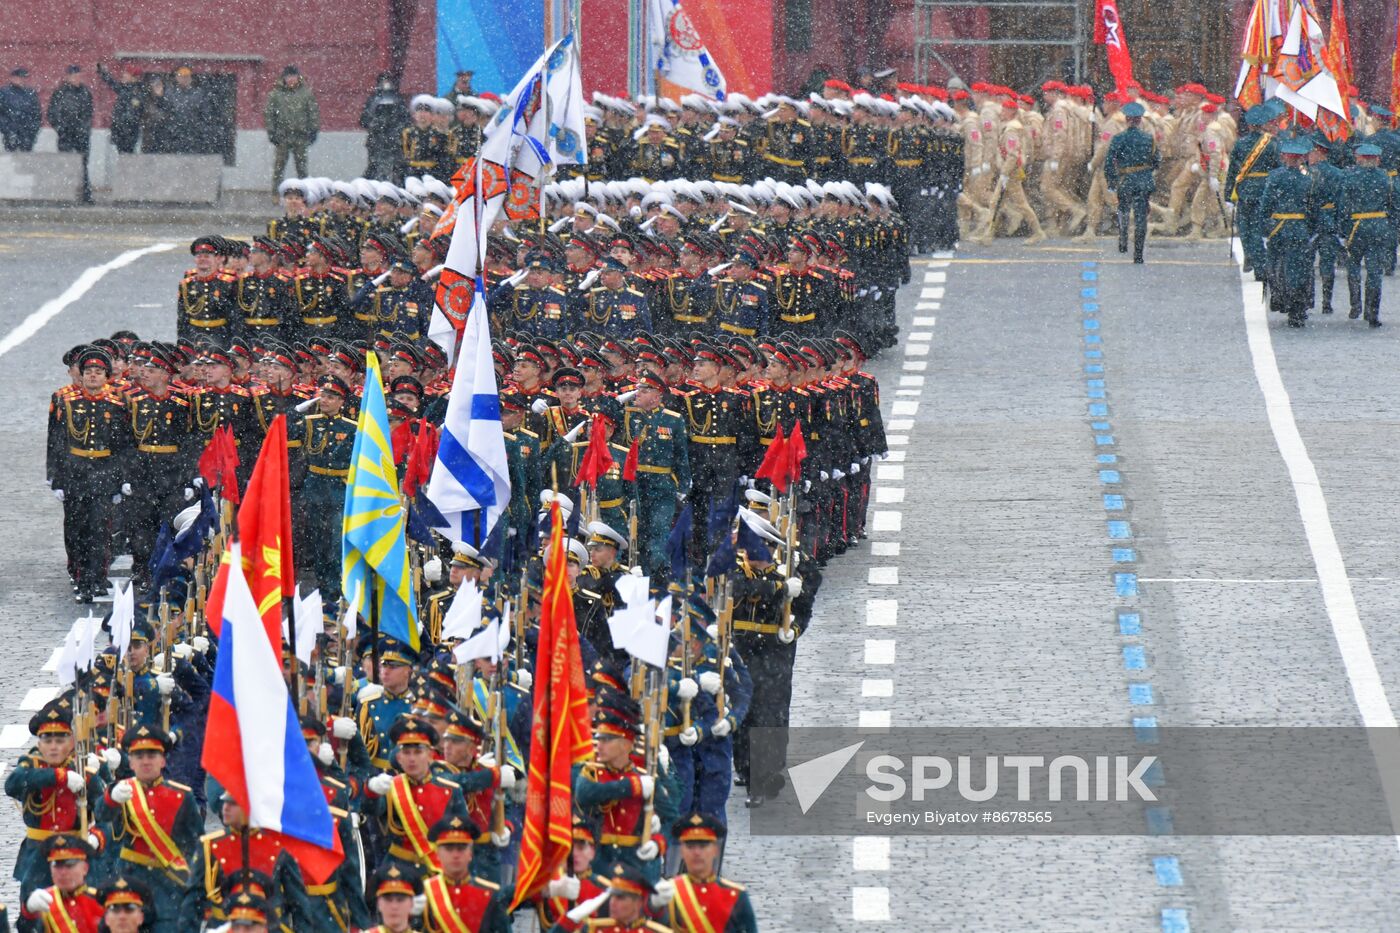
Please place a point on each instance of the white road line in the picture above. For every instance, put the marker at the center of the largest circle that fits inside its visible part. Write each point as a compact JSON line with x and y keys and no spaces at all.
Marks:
{"x":15,"y":735}
{"x":942,"y":254}
{"x":78,"y":288}
{"x":895,"y":456}
{"x":928,"y":306}
{"x":897,"y":440}
{"x":932,"y":277}
{"x":887,"y":521}
{"x":873,"y":719}
{"x":879,"y":651}
{"x":883,"y":576}
{"x":876,"y":687}
{"x":924,"y":321}
{"x":1366,"y":686}
{"x":870,"y":853}
{"x":35,"y":699}
{"x":884,"y":549}
{"x":914,"y":392}
{"x":889,"y":471}
{"x":871,"y":905}
{"x":881,"y":612}
{"x":905,"y":408}
{"x":916,"y":349}
{"x":886,"y":495}
{"x":911,"y":380}
{"x":51,"y":664}
{"x":934,"y":293}
{"x":922,"y":336}
{"x":915,"y":366}
{"x":900,"y":424}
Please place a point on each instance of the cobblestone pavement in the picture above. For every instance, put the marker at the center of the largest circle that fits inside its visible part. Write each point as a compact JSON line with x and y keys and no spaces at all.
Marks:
{"x":1003,"y":584}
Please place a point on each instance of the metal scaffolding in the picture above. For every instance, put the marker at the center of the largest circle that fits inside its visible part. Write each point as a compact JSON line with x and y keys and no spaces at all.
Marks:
{"x":1051,"y":24}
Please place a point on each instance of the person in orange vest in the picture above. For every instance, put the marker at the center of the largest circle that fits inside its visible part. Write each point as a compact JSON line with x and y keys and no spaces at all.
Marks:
{"x":457,"y":901}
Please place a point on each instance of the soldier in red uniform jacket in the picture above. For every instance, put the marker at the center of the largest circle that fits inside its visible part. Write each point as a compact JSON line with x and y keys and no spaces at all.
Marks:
{"x":703,"y":901}
{"x":408,"y":804}
{"x":69,"y":905}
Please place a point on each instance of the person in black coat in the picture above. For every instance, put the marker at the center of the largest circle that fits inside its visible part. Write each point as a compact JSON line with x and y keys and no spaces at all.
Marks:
{"x":127,"y":110}
{"x":70,"y":114}
{"x":384,"y":116}
{"x":20,"y":113}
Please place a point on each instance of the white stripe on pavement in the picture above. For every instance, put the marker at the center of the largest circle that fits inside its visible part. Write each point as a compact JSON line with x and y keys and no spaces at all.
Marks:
{"x":870,"y":853}
{"x":80,"y":286}
{"x":884,"y":548}
{"x":871,"y":905}
{"x":881,"y":611}
{"x":15,"y":735}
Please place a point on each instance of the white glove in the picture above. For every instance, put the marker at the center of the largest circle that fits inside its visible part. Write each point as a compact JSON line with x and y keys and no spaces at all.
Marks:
{"x":655,"y":824}
{"x":837,"y":474}
{"x":182,"y":651}
{"x":794,"y":587}
{"x":165,"y":683}
{"x":420,"y":904}
{"x":94,"y":841}
{"x":122,"y":791}
{"x":713,"y":631}
{"x":518,"y":277}
{"x":200,"y":643}
{"x":1003,"y":180}
{"x":1194,"y":168}
{"x":566,"y":887}
{"x":1089,"y":167}
{"x":1053,"y":165}
{"x":744,"y":479}
{"x":325,"y":754}
{"x":39,"y":902}
{"x":855,"y":468}
{"x":689,"y":736}
{"x":58,"y":494}
{"x":75,"y":782}
{"x":824,"y":475}
{"x":687,"y":688}
{"x":369,"y":692}
{"x":648,"y":850}
{"x":126,"y":489}
{"x":117,"y":499}
{"x":379,"y":784}
{"x":710,"y":682}
{"x":111,"y":757}
{"x":223,"y":928}
{"x":94,"y":762}
{"x":663,"y":757}
{"x":539,"y":406}
{"x":487,"y":760}
{"x":197,"y":482}
{"x":381,"y":278}
{"x":787,"y":635}
{"x":158,"y":660}
{"x":343,"y":727}
{"x":189,"y":493}
{"x":634,"y":211}
{"x":635,"y":571}
{"x":721,"y":728}
{"x":1215,"y":185}
{"x":589,"y":907}
{"x":519,"y":792}
{"x":663,"y":894}
{"x":625,"y":397}
{"x":524,"y":679}
{"x":648,"y":785}
{"x":501,"y":839}
{"x":432,"y":570}
{"x":508,"y":778}
{"x":432,"y":274}
{"x":806,"y":485}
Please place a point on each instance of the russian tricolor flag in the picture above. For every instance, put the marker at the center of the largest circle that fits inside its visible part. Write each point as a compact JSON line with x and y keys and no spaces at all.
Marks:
{"x":253,"y":744}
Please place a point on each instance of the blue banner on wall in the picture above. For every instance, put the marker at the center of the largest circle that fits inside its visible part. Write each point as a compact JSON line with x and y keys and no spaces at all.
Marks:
{"x":496,"y":41}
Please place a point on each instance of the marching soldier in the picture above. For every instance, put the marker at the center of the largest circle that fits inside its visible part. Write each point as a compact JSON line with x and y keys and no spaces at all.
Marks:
{"x":1324,"y":188}
{"x":162,"y":461}
{"x":264,"y":296}
{"x":320,"y":294}
{"x":457,"y":900}
{"x":68,"y":905}
{"x":628,"y":895}
{"x":704,"y":902}
{"x":741,"y":301}
{"x":1254,"y":156}
{"x":1129,"y":167}
{"x":124,"y":906}
{"x":382,"y":704}
{"x":399,"y":306}
{"x":663,"y":470}
{"x":407,"y":804}
{"x":1366,"y":207}
{"x":396,"y":890}
{"x":786,"y":144}
{"x":1288,"y":240}
{"x":480,"y":778}
{"x":612,"y":307}
{"x":155,"y":824}
{"x":534,"y":306}
{"x":52,"y":787}
{"x":89,"y":437}
{"x":426,"y":148}
{"x":324,"y":440}
{"x":615,"y":791}
{"x":206,"y":300}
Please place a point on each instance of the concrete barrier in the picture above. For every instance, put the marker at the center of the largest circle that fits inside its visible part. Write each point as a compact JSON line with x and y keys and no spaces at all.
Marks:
{"x":41,"y":176}
{"x":166,"y":179}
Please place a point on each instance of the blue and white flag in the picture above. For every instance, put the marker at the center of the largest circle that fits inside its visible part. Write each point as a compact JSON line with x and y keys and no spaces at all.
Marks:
{"x":470,"y":482}
{"x":678,"y":53}
{"x":540,"y":124}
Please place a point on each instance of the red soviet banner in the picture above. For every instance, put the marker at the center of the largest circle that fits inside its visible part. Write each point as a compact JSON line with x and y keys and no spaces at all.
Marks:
{"x":1108,"y":32}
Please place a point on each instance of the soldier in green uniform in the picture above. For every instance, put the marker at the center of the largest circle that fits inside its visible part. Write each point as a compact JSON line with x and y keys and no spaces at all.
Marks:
{"x":1130,"y":170}
{"x":663,"y":470}
{"x":1366,"y":205}
{"x":1324,"y":185}
{"x":1253,"y":157}
{"x":325,"y":439}
{"x":1288,"y":239}
{"x":162,"y":461}
{"x":205,"y":303}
